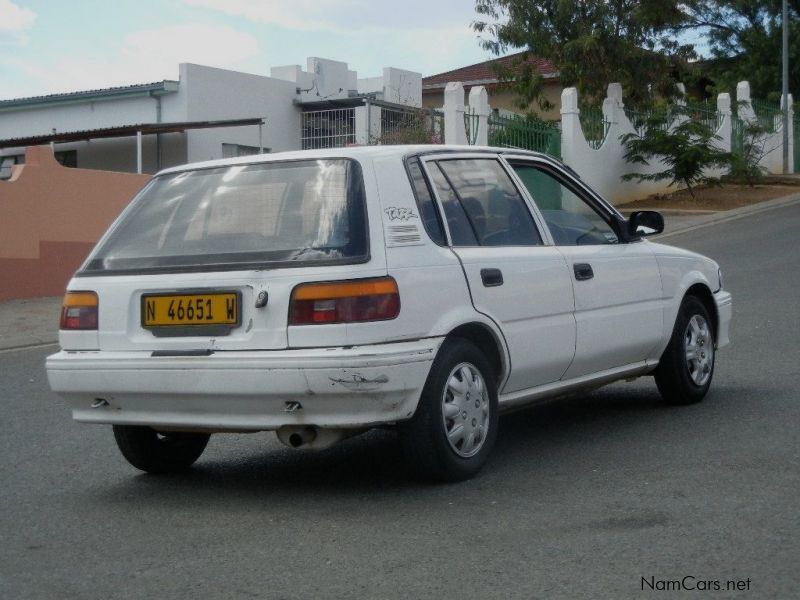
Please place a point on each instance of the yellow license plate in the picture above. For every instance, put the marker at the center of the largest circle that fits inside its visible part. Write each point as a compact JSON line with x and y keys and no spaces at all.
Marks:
{"x":190,"y":309}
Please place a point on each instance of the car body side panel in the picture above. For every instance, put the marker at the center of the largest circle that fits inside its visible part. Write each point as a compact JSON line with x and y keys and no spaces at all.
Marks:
{"x":618,"y":311}
{"x":681,"y":269}
{"x":534,"y":307}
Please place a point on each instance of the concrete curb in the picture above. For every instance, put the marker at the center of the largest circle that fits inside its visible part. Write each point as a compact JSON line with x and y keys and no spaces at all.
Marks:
{"x":731,"y":215}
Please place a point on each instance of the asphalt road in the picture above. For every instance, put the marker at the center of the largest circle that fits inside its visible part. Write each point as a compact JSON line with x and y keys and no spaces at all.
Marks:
{"x":581,"y":498}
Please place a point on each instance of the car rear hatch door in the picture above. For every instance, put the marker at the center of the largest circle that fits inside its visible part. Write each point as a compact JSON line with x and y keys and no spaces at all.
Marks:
{"x":207,"y":259}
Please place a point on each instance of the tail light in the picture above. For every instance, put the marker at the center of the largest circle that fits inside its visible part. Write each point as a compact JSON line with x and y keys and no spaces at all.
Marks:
{"x":345,"y":302}
{"x":79,"y":311}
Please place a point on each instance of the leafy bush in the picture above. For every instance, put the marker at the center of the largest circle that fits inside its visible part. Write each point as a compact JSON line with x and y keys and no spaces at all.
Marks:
{"x":687,"y":150}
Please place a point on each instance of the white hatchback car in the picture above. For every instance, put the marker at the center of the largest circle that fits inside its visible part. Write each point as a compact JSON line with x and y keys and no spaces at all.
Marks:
{"x":322,"y":293}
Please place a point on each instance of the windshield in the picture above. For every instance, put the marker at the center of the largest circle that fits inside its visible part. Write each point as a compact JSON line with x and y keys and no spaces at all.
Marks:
{"x":275,"y":214}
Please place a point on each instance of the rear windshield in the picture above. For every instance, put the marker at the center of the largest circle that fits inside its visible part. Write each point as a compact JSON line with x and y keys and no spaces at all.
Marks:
{"x":243,"y":216}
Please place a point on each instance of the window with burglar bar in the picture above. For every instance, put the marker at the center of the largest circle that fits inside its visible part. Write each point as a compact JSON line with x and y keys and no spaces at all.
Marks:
{"x":330,"y":128}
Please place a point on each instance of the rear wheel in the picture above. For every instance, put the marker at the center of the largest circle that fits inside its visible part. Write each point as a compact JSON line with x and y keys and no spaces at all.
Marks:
{"x":454,"y":428}
{"x":686,"y":368}
{"x":156,"y":452}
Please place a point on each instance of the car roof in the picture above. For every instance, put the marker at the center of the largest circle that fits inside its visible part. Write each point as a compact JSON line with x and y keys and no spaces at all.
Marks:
{"x":354,"y":152}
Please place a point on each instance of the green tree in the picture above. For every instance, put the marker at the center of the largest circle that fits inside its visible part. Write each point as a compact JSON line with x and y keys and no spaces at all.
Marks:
{"x":590,"y":42}
{"x":687,"y":151}
{"x":744,"y":41}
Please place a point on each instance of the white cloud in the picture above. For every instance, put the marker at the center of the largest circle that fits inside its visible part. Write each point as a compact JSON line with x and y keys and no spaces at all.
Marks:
{"x":142,"y":57}
{"x":302,"y":15}
{"x":214,"y":45}
{"x":14,"y":18}
{"x":347,"y":16}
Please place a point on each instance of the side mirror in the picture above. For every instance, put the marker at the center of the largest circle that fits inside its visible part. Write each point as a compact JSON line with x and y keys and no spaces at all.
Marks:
{"x":645,"y":222}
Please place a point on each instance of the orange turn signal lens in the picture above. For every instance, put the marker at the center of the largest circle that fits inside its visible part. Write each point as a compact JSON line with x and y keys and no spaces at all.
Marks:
{"x":79,"y":311}
{"x":345,"y":301}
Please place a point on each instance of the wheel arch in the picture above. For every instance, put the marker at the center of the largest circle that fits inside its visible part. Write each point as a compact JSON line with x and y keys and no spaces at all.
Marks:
{"x":703,"y":293}
{"x":489,"y":342}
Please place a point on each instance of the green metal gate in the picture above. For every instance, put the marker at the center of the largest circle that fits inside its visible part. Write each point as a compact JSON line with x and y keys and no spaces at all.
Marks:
{"x":796,"y":148}
{"x":522,"y":133}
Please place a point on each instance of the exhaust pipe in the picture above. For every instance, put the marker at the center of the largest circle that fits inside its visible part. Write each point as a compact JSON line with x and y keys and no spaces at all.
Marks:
{"x":314,"y":438}
{"x":297,"y":436}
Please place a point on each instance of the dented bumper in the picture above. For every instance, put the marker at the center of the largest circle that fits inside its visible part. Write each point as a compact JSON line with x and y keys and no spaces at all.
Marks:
{"x":246,"y":391}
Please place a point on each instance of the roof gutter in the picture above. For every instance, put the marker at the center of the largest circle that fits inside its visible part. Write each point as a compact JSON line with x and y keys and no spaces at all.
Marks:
{"x":152,"y":89}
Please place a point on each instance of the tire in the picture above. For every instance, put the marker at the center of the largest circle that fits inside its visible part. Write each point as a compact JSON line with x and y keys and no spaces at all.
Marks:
{"x":460,"y":391}
{"x":686,"y":368}
{"x":154,"y":452}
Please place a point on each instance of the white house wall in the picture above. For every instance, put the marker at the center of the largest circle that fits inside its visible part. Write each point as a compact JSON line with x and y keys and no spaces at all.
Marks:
{"x":107,"y":154}
{"x":211,"y":94}
{"x":98,"y":114}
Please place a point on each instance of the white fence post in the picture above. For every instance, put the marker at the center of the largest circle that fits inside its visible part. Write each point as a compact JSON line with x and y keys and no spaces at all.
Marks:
{"x":454,"y":130}
{"x":612,"y":103}
{"x":792,"y":148}
{"x":744,"y":105}
{"x":725,"y":132}
{"x":571,"y":132}
{"x":368,"y":124}
{"x":479,"y":105}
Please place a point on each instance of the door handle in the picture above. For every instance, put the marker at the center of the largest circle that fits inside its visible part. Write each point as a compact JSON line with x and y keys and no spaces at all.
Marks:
{"x":491,"y":277}
{"x":583,"y":271}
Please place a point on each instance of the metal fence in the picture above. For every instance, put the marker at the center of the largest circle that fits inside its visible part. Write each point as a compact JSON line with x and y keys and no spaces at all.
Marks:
{"x":411,"y":125}
{"x":595,"y":126}
{"x":796,"y":145}
{"x":330,"y":128}
{"x":769,"y":119}
{"x":519,"y":132}
{"x":769,"y":115}
{"x":471,"y":124}
{"x":706,"y":114}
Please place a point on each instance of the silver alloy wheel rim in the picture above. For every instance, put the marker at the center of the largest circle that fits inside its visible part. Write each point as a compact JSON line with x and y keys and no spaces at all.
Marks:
{"x":465,"y":410}
{"x":699,"y":347}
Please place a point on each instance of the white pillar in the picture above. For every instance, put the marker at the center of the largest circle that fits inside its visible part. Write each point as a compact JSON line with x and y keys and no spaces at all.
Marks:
{"x":454,"y":130}
{"x":368,"y":124}
{"x":744,"y":107}
{"x":725,"y":132}
{"x":138,"y":151}
{"x":571,"y":131}
{"x":681,"y":100}
{"x":479,"y":105}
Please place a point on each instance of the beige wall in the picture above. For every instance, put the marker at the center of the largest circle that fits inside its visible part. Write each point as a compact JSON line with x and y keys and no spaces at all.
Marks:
{"x":50,"y":217}
{"x":504,"y":98}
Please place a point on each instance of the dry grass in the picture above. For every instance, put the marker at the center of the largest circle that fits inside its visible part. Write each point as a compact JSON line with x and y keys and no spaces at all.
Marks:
{"x":712,"y":198}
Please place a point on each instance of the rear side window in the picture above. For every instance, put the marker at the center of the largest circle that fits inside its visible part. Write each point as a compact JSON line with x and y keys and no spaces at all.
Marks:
{"x":278,"y":214}
{"x":495,"y":212}
{"x":425,"y":203}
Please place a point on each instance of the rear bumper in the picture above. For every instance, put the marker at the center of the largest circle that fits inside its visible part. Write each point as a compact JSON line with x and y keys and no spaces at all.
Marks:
{"x":724,"y":313}
{"x":246,"y":391}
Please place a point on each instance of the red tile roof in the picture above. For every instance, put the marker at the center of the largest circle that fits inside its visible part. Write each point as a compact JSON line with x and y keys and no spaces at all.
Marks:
{"x":484,"y":72}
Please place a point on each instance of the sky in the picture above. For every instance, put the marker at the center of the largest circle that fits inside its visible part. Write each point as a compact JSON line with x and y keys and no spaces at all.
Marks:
{"x":50,"y":46}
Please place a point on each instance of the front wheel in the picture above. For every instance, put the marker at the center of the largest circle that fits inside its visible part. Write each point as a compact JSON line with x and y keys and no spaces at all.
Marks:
{"x":155,"y":452}
{"x":454,"y":428}
{"x":686,"y":368}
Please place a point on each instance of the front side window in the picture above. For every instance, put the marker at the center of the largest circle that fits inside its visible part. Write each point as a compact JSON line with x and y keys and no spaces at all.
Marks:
{"x":241,"y":216}
{"x":572,"y":221}
{"x":493,"y":210}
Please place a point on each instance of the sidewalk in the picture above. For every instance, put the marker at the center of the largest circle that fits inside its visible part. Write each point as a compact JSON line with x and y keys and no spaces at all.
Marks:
{"x":29,"y":322}
{"x":34,"y":322}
